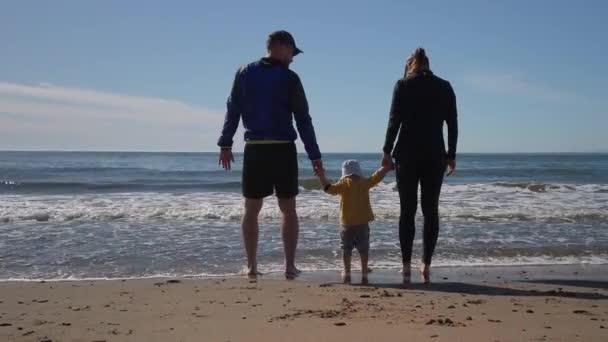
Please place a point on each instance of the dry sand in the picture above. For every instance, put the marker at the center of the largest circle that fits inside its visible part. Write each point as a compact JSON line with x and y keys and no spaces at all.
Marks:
{"x":237,"y":309}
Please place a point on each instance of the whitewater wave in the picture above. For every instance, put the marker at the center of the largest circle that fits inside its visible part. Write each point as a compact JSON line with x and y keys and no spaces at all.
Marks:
{"x":469,"y":202}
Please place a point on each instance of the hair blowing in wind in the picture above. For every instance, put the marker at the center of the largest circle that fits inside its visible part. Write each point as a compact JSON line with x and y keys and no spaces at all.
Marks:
{"x":418,"y":61}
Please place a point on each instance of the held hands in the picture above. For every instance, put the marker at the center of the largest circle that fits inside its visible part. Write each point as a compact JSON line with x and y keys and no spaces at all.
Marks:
{"x":320,"y":173}
{"x":317,"y":167}
{"x":387,"y":162}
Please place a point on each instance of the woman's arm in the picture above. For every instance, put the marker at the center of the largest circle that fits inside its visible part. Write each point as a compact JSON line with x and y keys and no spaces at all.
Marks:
{"x":452,"y":122}
{"x":394,"y":119}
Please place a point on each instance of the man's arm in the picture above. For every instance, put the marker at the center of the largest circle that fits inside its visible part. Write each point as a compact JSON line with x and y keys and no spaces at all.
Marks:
{"x":299,"y":107}
{"x":452,"y":122}
{"x":233,"y":114}
{"x":394,"y":119}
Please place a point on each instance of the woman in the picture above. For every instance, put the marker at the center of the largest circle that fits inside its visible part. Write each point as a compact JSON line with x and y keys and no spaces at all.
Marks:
{"x":422,"y":102}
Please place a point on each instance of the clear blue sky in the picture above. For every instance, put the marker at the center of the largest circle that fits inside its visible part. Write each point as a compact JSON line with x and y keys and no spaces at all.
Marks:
{"x":152,"y":75}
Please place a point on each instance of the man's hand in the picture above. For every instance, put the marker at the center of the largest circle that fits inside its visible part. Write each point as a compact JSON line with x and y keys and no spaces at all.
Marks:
{"x":226,"y":158}
{"x":451,"y":164}
{"x":317,"y":167}
{"x":387,"y":161}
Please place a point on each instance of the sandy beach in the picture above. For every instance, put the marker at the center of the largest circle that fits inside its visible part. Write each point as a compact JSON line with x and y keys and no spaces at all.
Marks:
{"x":316,"y":307}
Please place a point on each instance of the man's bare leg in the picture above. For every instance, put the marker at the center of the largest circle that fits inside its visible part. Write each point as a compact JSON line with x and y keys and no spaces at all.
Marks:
{"x":251,"y":232}
{"x":290,"y":230}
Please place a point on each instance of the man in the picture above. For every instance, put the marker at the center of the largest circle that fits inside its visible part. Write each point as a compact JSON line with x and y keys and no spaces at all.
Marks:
{"x":268,"y":96}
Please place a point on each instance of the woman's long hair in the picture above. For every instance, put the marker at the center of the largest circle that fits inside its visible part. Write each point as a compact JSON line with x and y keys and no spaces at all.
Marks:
{"x":417,"y":62}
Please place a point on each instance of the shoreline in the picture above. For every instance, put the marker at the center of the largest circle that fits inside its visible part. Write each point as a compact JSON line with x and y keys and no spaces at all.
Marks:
{"x":597,"y":272}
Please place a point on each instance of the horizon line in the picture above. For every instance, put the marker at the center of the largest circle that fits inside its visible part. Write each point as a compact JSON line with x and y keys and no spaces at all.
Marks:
{"x":329,"y":152}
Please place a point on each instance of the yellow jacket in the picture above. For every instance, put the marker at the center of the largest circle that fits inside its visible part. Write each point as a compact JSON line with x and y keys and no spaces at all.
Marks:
{"x":355,"y":207}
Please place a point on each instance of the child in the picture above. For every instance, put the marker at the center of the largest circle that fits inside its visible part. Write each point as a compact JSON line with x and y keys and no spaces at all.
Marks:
{"x":355,"y":211}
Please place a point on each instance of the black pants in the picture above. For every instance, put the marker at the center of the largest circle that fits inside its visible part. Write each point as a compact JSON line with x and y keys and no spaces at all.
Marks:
{"x":429,"y":173}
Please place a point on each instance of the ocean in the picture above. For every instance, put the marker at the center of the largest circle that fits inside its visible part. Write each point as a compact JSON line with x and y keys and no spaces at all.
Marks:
{"x":83,"y":215}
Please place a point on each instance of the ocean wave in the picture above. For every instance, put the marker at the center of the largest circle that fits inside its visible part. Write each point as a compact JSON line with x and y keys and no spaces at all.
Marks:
{"x":480,"y":202}
{"x":134,"y":185}
{"x":307,"y":212}
{"x":190,"y":181}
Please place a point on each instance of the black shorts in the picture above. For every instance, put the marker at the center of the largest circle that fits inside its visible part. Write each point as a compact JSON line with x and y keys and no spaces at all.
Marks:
{"x":269,"y":168}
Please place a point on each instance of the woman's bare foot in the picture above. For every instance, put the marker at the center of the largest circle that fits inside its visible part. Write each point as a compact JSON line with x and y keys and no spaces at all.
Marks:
{"x":425,"y":272}
{"x":406,"y":272}
{"x":292,"y":273}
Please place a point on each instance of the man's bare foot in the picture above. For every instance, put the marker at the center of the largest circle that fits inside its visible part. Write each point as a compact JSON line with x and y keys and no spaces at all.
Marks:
{"x":346,"y":279}
{"x":252,"y":273}
{"x":364,"y":280}
{"x":425,"y":272}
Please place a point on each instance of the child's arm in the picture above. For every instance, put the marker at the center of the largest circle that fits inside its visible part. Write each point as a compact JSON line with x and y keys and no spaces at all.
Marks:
{"x":328,"y":187}
{"x":378,"y":176}
{"x":323,"y":178}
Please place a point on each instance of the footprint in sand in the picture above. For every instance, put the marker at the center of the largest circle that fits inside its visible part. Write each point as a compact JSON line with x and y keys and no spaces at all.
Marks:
{"x":39,"y":322}
{"x":582,"y":312}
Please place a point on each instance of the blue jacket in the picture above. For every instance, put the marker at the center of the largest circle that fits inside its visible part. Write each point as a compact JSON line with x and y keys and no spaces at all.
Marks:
{"x":268,"y":96}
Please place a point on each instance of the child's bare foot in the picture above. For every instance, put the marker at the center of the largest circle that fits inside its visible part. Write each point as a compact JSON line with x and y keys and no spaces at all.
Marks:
{"x":425,"y":272}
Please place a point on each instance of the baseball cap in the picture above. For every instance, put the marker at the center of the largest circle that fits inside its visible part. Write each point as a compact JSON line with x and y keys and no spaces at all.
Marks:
{"x":351,"y":167}
{"x":283,"y":37}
